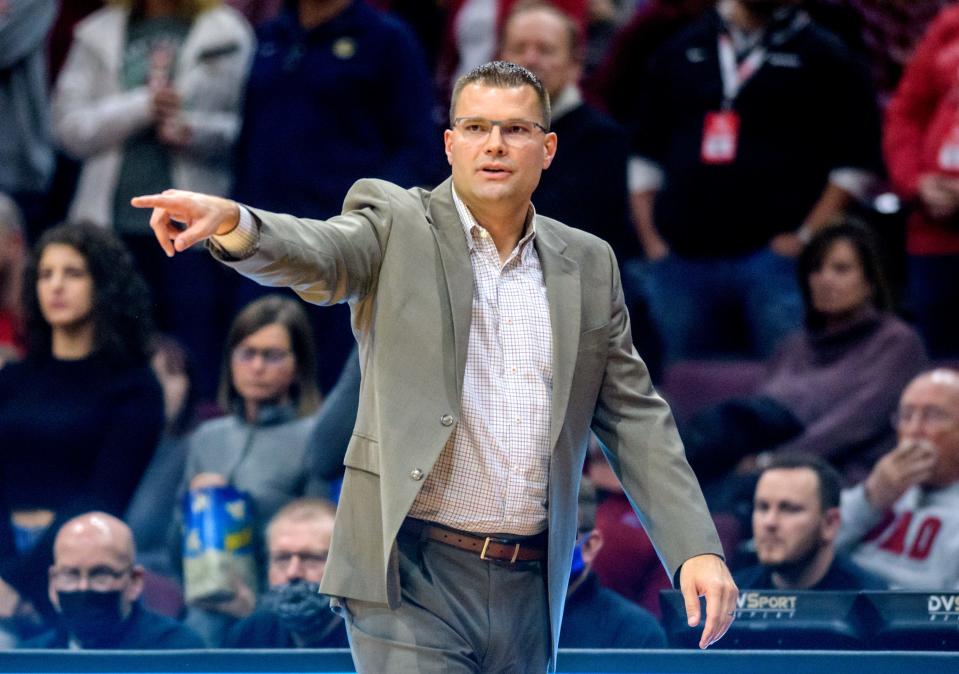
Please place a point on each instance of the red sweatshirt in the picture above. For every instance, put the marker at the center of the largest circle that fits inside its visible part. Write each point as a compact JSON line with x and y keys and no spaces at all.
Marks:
{"x":919,"y":118}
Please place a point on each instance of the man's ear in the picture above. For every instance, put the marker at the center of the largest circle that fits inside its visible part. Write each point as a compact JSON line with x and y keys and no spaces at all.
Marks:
{"x":51,"y":593}
{"x":550,"y":143}
{"x":135,"y":589}
{"x":448,"y":145}
{"x":592,"y":545}
{"x":830,"y":525}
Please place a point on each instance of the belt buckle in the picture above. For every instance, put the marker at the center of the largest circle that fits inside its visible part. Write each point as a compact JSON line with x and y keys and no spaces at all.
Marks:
{"x":501,"y":541}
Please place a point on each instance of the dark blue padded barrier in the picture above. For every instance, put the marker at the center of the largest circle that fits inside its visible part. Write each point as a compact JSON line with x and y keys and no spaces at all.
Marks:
{"x":858,"y":621}
{"x":570,"y":662}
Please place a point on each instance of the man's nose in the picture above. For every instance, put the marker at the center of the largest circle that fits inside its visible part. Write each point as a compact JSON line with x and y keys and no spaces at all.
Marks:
{"x":295,"y":570}
{"x":495,"y":143}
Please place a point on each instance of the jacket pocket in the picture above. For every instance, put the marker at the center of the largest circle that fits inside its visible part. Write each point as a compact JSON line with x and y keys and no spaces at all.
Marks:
{"x":363,"y":454}
{"x":594,"y":339}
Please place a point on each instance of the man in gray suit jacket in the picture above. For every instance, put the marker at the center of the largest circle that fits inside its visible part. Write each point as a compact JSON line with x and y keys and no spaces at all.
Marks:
{"x":492,"y":341}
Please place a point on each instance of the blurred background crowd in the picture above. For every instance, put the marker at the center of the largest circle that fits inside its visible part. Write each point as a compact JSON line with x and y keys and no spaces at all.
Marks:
{"x":779,"y":180}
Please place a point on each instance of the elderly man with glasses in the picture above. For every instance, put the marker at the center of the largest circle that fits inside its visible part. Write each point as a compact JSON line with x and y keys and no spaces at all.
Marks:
{"x":95,"y":587}
{"x":902,"y":521}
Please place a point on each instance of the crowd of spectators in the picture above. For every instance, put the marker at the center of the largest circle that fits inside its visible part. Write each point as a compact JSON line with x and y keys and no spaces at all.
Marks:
{"x":779,"y":180}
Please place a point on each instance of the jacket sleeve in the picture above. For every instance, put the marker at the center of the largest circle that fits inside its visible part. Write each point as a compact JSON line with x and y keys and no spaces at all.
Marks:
{"x":213,"y":93}
{"x":23,"y":29}
{"x":331,"y":434}
{"x":640,"y":440}
{"x":323,"y":261}
{"x":406,"y":113}
{"x":858,"y":518}
{"x":911,"y":110}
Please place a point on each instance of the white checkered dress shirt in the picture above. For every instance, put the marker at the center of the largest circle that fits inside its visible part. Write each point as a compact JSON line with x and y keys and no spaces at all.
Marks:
{"x":492,"y":475}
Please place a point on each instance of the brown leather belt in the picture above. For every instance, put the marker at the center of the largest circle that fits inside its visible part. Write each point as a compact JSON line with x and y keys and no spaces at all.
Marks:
{"x":531,"y":549}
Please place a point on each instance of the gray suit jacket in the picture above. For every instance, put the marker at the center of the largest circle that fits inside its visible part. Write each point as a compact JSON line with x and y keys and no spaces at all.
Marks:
{"x":400,"y":258}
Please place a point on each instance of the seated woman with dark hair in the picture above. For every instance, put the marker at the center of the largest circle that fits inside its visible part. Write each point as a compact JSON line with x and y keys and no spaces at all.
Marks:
{"x":261,"y":448}
{"x":830,"y":388}
{"x":81,"y":415}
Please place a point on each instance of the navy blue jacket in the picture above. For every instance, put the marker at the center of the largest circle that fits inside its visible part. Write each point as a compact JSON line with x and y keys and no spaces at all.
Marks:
{"x":597,"y":617}
{"x":144,"y":630}
{"x":348,"y":99}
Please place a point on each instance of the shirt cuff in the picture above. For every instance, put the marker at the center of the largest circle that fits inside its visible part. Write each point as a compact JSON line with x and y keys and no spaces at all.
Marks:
{"x":644,"y":175}
{"x":242,"y":241}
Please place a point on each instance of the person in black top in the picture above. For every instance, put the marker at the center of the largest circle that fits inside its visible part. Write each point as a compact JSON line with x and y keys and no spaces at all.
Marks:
{"x":595,"y":616}
{"x":81,"y":415}
{"x":756,"y":128}
{"x":293,"y":614}
{"x":95,"y":585}
{"x":539,"y":36}
{"x":795,"y":523}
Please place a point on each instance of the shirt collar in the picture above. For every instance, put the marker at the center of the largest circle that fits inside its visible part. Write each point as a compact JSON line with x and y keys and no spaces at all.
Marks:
{"x":566,"y":101}
{"x":470,"y":226}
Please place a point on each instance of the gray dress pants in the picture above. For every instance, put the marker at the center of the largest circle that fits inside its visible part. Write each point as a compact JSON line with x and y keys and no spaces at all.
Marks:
{"x":459,"y":614}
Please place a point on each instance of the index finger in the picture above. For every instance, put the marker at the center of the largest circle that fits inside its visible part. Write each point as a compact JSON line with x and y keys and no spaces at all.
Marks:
{"x":165,"y":200}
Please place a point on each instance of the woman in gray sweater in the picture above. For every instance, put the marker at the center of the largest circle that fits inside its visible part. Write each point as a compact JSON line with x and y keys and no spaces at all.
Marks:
{"x":261,"y":448}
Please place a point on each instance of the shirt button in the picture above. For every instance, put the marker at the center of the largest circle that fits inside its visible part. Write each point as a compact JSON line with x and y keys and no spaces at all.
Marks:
{"x":416,"y":474}
{"x":446,"y":419}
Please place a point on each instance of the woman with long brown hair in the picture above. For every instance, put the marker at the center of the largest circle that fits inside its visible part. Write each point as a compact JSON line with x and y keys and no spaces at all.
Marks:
{"x":81,"y":415}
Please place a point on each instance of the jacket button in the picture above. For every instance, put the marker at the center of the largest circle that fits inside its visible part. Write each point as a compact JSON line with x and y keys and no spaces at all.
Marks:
{"x":416,"y":474}
{"x":446,"y":419}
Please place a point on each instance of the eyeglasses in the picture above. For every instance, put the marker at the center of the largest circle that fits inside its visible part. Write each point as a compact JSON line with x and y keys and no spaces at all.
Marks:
{"x":247,"y":354}
{"x":514,"y":131}
{"x":99,"y":579}
{"x":308,"y":561}
{"x":934,"y":416}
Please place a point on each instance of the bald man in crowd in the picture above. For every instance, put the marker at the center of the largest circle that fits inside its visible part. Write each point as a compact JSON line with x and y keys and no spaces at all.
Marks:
{"x":95,"y":586}
{"x":902,"y":522}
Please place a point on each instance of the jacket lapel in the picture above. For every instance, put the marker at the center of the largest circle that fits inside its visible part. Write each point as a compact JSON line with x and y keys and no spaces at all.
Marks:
{"x":455,"y":257}
{"x":561,"y":275}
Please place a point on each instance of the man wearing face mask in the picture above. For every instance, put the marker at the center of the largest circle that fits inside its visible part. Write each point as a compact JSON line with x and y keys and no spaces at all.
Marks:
{"x":595,"y":616}
{"x":94,"y":587}
{"x":293,"y":613}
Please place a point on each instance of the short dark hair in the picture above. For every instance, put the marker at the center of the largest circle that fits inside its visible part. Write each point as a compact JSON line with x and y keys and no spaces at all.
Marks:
{"x":122,"y":320}
{"x":259,"y":314}
{"x":830,"y":482}
{"x":503,"y":75}
{"x":861,"y":238}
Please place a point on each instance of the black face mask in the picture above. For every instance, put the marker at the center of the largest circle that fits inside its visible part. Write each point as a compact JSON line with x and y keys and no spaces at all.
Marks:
{"x":94,"y":618}
{"x":301,"y":608}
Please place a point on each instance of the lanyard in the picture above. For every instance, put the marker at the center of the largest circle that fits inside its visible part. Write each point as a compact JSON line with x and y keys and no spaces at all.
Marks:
{"x":735,"y":76}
